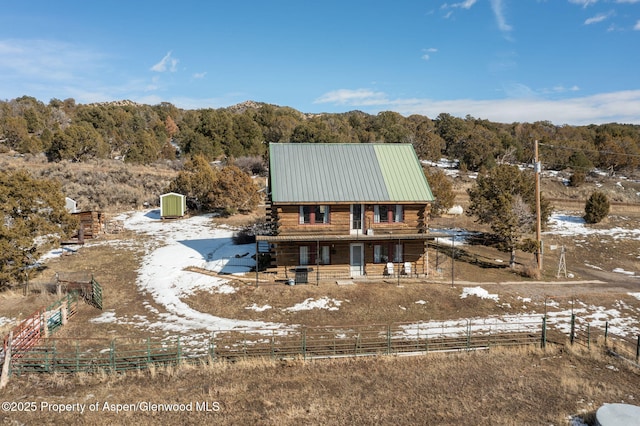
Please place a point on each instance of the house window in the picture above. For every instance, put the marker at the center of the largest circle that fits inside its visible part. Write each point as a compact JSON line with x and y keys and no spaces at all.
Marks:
{"x":308,"y":255}
{"x":314,"y":215}
{"x":383,"y":253}
{"x":388,"y":213}
{"x":325,"y":257}
{"x":397,"y":253}
{"x":380,"y":253}
{"x":304,"y":255}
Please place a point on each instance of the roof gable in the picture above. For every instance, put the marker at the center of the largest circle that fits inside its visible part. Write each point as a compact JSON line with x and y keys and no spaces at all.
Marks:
{"x":346,"y":172}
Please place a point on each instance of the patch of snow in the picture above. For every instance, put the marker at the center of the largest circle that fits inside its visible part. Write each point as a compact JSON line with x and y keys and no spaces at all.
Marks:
{"x":458,"y":235}
{"x":455,"y":210}
{"x":622,"y":271}
{"x":478,"y":292}
{"x":593,"y":266}
{"x":105,"y":317}
{"x":257,"y":308}
{"x":176,"y":245}
{"x":310,"y":303}
{"x":636,"y":295}
{"x":421,"y":302}
{"x":564,"y":224}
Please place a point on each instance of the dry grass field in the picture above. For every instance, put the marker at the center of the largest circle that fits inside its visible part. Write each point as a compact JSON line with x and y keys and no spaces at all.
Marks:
{"x":516,"y":386}
{"x":498,"y":387}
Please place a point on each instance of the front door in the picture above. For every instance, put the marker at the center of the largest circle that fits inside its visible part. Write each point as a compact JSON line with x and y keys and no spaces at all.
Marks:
{"x":356,"y":259}
{"x":356,"y":218}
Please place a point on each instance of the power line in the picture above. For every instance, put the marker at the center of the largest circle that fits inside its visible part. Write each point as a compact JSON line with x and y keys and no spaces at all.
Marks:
{"x":590,"y":150}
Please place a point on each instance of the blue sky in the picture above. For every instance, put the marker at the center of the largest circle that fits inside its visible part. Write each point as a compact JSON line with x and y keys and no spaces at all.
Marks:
{"x":566,"y":61}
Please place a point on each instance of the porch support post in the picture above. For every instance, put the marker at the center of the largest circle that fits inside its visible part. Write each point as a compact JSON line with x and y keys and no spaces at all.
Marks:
{"x":398,"y":270}
{"x":317,"y":262}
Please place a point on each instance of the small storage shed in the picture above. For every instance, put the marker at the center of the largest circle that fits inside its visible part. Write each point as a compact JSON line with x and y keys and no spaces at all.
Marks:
{"x":70,"y":205}
{"x":172,"y":205}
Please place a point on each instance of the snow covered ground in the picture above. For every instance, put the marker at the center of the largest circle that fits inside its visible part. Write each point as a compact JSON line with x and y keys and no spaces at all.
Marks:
{"x":197,"y":242}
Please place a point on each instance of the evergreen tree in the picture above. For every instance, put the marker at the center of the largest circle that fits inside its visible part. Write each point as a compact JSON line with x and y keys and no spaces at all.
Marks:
{"x":504,"y":198}
{"x":33,"y":218}
{"x":596,"y":207}
{"x":442,"y":190}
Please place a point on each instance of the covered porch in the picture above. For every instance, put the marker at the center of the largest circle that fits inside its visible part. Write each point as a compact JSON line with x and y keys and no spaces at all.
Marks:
{"x":315,"y":258}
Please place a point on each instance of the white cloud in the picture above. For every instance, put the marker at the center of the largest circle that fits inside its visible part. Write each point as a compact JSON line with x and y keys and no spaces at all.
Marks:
{"x":199,"y":75}
{"x":427,"y":53}
{"x":358,"y":97}
{"x":628,"y":1}
{"x":45,"y":59}
{"x":166,"y":63}
{"x":465,"y":4}
{"x":598,"y":18}
{"x":498,"y":10}
{"x":637,"y":26}
{"x":583,"y":3}
{"x":621,"y":107}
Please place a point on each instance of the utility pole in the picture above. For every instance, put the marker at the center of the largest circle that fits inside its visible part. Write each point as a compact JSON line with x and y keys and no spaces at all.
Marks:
{"x":538,"y":169}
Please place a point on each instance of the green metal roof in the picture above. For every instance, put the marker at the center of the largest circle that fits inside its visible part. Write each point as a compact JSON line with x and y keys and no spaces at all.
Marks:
{"x":346,"y":172}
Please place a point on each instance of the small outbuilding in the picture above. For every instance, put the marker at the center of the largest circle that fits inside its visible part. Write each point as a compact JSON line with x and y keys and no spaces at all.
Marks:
{"x":70,"y":205}
{"x":172,"y":205}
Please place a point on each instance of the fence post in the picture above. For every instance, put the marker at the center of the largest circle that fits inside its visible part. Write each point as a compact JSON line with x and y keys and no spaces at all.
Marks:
{"x":638,"y":349}
{"x":45,"y":321}
{"x":573,"y":328}
{"x":544,"y":333}
{"x":148,"y":351}
{"x":588,"y":336}
{"x":112,"y":355}
{"x":53,"y":359}
{"x":388,"y":339}
{"x":179,"y":352}
{"x":77,"y":356}
{"x":244,"y":344}
{"x":468,"y":335}
{"x":212,"y":347}
{"x":273,"y":352}
{"x":606,"y":332}
{"x":355,"y":352}
{"x":6,"y":367}
{"x":304,"y":344}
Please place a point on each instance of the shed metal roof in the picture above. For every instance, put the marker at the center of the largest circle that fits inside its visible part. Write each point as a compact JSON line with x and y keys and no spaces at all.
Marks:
{"x":346,"y":172}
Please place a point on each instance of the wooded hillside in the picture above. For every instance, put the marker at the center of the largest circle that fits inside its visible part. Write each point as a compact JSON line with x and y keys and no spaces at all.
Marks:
{"x":144,"y":134}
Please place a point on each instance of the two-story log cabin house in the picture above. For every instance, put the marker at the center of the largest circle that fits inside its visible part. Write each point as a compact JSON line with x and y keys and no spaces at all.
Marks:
{"x":347,"y":210}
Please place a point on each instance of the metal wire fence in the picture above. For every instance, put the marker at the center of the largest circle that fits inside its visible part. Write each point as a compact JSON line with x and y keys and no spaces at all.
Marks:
{"x":122,"y":354}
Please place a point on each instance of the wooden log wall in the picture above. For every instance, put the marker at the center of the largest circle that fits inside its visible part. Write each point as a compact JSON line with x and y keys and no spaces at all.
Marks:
{"x":287,"y":218}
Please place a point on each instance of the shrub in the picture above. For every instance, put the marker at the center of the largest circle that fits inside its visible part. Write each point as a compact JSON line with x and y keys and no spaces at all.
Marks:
{"x":596,"y":208}
{"x":577,"y":179}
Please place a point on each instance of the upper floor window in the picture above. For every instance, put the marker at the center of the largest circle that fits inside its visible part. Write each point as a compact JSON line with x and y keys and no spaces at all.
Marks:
{"x":314,"y":215}
{"x":388,"y":213}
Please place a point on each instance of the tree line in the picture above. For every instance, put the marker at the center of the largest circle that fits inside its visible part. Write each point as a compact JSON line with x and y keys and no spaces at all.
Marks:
{"x":144,"y":134}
